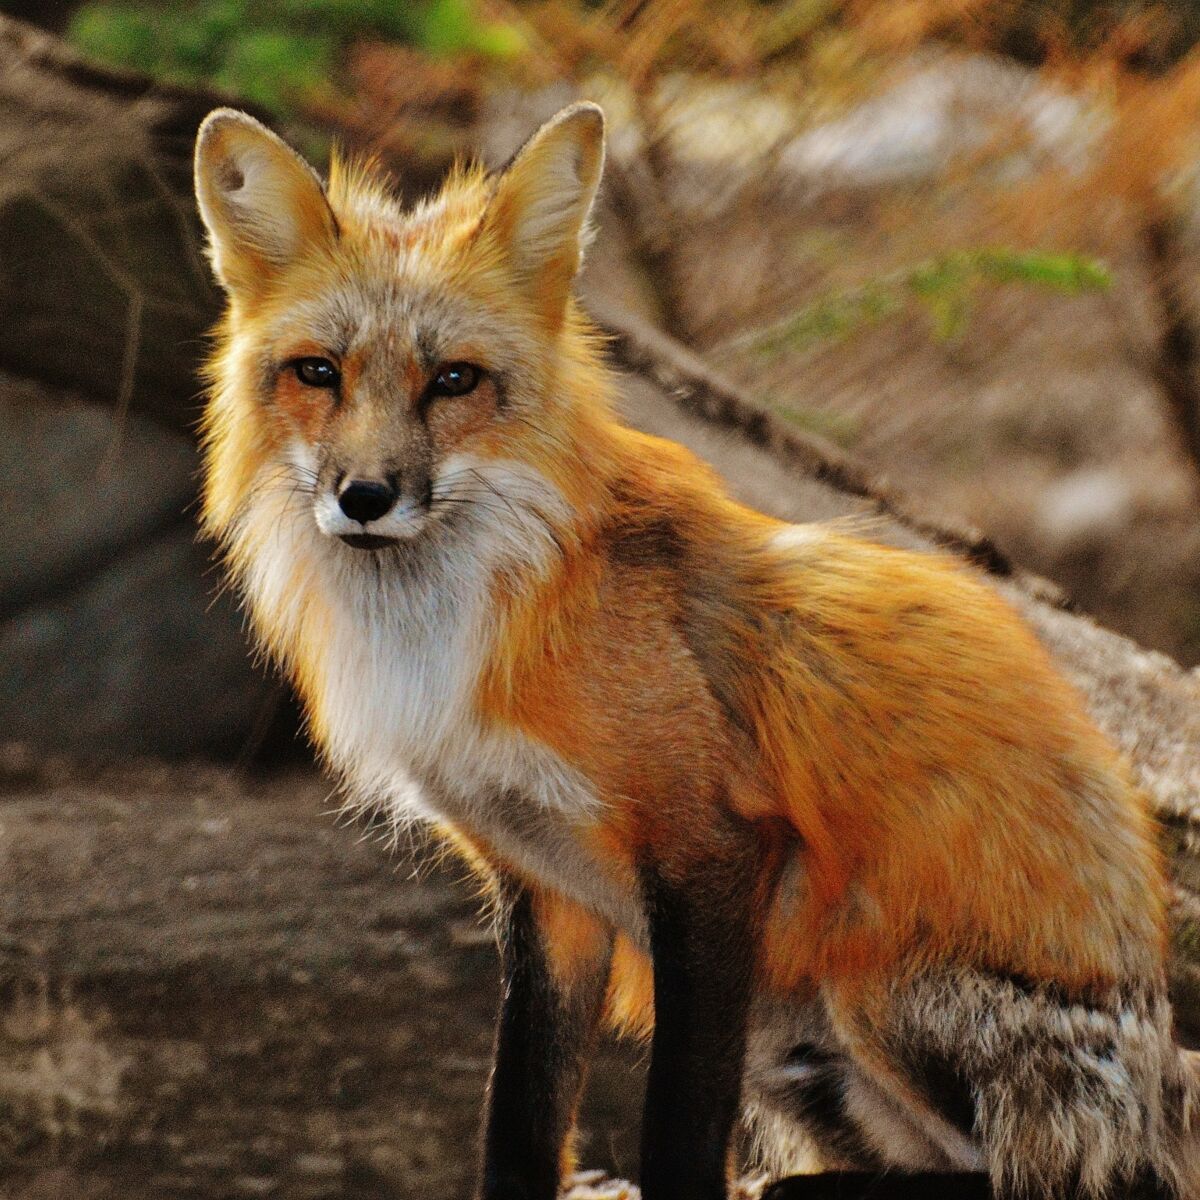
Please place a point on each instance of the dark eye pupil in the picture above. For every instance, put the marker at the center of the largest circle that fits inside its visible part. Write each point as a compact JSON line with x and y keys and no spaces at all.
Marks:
{"x":457,"y":379}
{"x":317,"y":372}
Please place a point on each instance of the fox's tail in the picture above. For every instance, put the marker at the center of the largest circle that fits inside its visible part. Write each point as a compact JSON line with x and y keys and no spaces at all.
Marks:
{"x":1187,"y":1125}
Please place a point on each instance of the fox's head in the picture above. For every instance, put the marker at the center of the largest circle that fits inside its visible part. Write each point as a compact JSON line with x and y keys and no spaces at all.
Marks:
{"x":385,"y":368}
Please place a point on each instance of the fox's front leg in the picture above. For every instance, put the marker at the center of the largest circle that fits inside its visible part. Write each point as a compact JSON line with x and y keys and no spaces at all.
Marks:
{"x":702,"y":917}
{"x":554,"y":970}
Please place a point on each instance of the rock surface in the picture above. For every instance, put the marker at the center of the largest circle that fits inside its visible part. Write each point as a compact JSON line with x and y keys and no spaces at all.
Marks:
{"x":210,"y":988}
{"x":110,"y":639}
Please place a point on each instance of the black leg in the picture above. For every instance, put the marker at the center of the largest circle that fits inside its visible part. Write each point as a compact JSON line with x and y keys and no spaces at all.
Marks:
{"x":544,"y":1033}
{"x":702,"y":938}
{"x":864,"y":1185}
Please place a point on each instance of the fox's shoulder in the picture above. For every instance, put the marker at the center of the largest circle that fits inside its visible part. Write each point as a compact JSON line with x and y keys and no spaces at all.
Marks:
{"x":666,"y":505}
{"x":751,"y":593}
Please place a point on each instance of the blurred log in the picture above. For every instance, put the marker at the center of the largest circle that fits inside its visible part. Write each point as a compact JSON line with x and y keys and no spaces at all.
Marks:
{"x":103,"y":287}
{"x":1175,"y":362}
{"x":701,"y":391}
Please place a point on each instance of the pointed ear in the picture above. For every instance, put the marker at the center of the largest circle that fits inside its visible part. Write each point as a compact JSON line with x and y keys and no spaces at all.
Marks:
{"x":540,"y":208}
{"x":263,"y":205}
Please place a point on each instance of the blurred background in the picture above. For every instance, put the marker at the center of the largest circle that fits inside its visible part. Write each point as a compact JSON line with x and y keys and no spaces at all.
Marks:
{"x":955,"y":239}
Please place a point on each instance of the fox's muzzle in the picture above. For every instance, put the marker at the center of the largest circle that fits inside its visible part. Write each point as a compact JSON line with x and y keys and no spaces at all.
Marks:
{"x":371,"y":511}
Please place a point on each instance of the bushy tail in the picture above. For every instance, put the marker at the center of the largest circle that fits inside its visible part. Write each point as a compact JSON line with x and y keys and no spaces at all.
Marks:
{"x":1187,"y":1125}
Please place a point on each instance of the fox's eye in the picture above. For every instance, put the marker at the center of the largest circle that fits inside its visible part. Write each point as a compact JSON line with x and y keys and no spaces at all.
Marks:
{"x":317,"y":372}
{"x":455,"y":379}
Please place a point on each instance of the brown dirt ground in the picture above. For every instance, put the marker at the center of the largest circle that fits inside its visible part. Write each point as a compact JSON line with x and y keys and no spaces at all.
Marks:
{"x":211,"y":989}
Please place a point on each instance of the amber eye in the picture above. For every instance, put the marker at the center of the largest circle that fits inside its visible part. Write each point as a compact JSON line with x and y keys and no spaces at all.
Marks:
{"x":455,"y":379}
{"x":317,"y":372}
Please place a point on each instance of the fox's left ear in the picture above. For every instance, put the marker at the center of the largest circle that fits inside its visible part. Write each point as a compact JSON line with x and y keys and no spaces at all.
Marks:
{"x":539,"y":212}
{"x":263,"y":205}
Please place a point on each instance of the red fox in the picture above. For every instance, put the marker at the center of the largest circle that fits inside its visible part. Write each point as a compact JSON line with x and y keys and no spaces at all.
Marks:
{"x":815,"y":814}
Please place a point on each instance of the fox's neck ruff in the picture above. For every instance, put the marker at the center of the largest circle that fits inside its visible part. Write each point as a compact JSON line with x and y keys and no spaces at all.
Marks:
{"x":388,"y":649}
{"x":387,"y":646}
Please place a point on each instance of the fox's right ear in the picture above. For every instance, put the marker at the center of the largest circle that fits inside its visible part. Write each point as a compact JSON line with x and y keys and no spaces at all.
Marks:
{"x":262,"y":204}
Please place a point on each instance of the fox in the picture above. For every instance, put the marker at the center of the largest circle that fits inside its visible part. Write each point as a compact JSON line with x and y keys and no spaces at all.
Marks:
{"x":816,"y":816}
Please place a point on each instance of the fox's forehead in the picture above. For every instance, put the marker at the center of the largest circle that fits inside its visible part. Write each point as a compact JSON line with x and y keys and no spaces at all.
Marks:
{"x":368,"y":210}
{"x":397,"y":316}
{"x":403,"y":277}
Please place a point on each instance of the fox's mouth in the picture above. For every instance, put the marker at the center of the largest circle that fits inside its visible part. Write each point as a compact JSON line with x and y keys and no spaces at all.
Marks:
{"x":367,"y":541}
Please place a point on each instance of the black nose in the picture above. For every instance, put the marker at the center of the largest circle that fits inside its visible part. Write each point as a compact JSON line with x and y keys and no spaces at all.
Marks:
{"x":365,"y":500}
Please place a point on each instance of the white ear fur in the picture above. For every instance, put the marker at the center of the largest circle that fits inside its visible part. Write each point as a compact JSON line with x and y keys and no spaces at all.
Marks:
{"x":543,"y":200}
{"x":262,"y":204}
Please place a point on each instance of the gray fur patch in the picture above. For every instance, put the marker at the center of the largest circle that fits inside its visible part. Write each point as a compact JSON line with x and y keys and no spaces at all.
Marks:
{"x":1052,"y":1094}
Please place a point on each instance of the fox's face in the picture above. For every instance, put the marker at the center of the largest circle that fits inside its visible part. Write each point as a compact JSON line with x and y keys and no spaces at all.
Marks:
{"x":390,"y":365}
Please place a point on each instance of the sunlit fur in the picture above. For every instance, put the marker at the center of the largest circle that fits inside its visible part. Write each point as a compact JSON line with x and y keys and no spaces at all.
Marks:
{"x":585,"y":649}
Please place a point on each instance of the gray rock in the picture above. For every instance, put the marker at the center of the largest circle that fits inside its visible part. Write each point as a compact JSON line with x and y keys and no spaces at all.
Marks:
{"x":77,"y":487}
{"x":110,"y":641}
{"x":133,"y":659}
{"x":102,"y":283}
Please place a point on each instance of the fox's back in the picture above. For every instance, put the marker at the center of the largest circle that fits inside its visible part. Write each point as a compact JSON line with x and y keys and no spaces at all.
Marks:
{"x":887,"y":707}
{"x":981,"y":810}
{"x":885,"y":710}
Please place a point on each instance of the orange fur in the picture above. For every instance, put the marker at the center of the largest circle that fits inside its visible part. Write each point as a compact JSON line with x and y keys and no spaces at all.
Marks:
{"x":630,"y":1003}
{"x":885,"y":698}
{"x":926,"y":790}
{"x":895,"y":701}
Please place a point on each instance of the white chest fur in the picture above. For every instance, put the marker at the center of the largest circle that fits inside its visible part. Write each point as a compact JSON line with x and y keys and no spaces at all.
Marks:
{"x":393,"y":662}
{"x":399,"y":680}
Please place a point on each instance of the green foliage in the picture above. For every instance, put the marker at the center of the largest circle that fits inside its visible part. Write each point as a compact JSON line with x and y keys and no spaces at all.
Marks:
{"x":274,"y":52}
{"x":944,"y":287}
